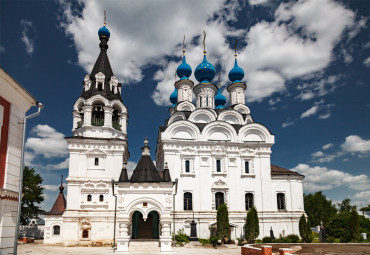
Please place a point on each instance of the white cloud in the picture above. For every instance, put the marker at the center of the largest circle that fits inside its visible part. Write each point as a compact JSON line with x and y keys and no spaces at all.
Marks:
{"x":48,"y":142}
{"x":367,"y":62}
{"x":312,"y":111}
{"x":318,"y":106}
{"x":273,"y":101}
{"x":327,"y":146}
{"x":321,"y":178}
{"x":258,"y":2}
{"x":363,"y":195}
{"x":317,"y":154}
{"x":26,"y":39}
{"x":52,"y":187}
{"x":347,"y":57}
{"x":298,"y":43}
{"x":62,"y":165}
{"x":325,"y":116}
{"x":318,"y":88}
{"x":356,"y":144}
{"x":287,"y":123}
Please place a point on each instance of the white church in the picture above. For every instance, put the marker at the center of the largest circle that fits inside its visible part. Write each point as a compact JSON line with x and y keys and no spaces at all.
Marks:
{"x":206,"y":155}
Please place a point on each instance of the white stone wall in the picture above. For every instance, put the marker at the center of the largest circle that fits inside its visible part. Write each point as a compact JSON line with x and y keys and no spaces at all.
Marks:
{"x":14,"y":149}
{"x":182,"y":140}
{"x":20,"y":101}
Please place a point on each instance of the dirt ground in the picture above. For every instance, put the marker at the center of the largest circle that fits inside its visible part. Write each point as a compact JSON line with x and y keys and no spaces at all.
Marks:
{"x":321,"y":249}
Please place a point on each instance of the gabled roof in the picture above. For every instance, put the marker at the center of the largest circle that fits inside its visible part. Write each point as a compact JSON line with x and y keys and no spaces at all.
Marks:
{"x":277,"y":170}
{"x":60,"y":204}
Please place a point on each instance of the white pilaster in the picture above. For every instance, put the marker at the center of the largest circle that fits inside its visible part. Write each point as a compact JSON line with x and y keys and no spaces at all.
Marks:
{"x":123,"y":238}
{"x":108,"y":112}
{"x":76,"y":119}
{"x":87,"y":114}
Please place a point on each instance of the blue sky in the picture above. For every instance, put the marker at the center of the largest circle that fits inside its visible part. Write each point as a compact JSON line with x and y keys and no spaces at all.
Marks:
{"x":306,"y":63}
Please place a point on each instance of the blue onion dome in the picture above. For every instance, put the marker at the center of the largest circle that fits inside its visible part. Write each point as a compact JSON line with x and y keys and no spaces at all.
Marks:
{"x":236,"y":74}
{"x":103,"y":31}
{"x":173,"y":98}
{"x":184,"y":70}
{"x":205,"y":71}
{"x":220,"y":100}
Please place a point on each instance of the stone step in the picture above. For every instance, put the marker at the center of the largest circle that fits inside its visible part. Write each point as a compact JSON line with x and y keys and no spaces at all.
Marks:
{"x":143,"y":244}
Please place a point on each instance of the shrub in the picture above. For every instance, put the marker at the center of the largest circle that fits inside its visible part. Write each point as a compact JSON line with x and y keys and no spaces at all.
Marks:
{"x":267,"y":239}
{"x":181,"y":237}
{"x":213,"y":240}
{"x":240,"y":241}
{"x":204,"y":241}
{"x":291,"y":239}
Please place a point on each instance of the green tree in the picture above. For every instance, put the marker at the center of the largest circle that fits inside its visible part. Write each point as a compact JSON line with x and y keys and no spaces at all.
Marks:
{"x":318,"y":208}
{"x":364,"y":225}
{"x":252,"y":229}
{"x":32,"y":195}
{"x":305,"y":229}
{"x":345,"y":206}
{"x":346,"y":224}
{"x":223,"y":226}
{"x":354,"y":227}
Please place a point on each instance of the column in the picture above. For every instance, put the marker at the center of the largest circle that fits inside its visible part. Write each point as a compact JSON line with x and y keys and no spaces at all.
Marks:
{"x":108,"y":112}
{"x":76,"y":119}
{"x":123,"y":122}
{"x":165,"y":239}
{"x":123,"y":239}
{"x":87,"y":114}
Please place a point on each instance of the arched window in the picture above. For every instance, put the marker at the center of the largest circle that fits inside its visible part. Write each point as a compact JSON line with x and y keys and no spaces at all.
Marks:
{"x":85,"y":233}
{"x":281,"y":201}
{"x":88,"y":198}
{"x":97,"y":118}
{"x":218,"y":166}
{"x":187,"y":166}
{"x":56,"y":230}
{"x":188,"y":201}
{"x":101,"y":198}
{"x":246,"y":167}
{"x":219,"y":199}
{"x":248,"y":201}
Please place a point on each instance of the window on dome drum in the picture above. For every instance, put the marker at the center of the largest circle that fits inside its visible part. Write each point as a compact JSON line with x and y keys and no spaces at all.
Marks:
{"x":218,"y":166}
{"x":56,"y":230}
{"x":246,"y":167}
{"x":281,"y":201}
{"x":200,"y":101}
{"x":248,"y":201}
{"x":89,"y":198}
{"x":206,"y":101}
{"x":188,"y":201}
{"x":187,"y":166}
{"x":85,"y":233}
{"x":96,"y":161}
{"x":101,"y":198}
{"x":100,"y":86}
{"x":219,"y":199}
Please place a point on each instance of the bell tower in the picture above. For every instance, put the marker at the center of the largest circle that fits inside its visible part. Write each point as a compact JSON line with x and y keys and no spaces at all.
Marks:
{"x":98,"y":146}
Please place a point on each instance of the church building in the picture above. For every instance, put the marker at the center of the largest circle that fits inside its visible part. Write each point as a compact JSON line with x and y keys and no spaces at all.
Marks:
{"x":206,"y":155}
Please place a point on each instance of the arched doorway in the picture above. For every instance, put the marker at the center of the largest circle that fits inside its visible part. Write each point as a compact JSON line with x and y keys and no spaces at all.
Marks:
{"x":148,"y":229}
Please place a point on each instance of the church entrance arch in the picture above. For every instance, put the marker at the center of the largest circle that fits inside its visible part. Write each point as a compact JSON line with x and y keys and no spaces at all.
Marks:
{"x":145,"y":229}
